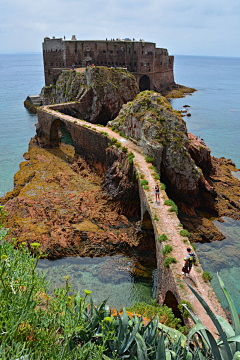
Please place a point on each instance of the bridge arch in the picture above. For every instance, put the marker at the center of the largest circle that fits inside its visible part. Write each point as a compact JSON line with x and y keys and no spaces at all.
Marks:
{"x":144,"y":83}
{"x":147,"y":221}
{"x":59,"y":132}
{"x":171,"y":302}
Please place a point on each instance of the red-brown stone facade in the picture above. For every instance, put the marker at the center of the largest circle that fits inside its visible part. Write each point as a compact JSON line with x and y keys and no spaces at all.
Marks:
{"x":151,"y":66}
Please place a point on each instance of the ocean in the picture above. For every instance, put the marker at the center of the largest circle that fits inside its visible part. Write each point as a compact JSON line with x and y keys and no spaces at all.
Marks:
{"x":215,"y":110}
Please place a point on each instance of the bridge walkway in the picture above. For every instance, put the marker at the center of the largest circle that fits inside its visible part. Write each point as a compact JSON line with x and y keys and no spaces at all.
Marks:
{"x":164,"y":222}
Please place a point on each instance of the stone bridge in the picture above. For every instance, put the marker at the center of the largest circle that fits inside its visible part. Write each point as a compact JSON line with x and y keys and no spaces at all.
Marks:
{"x":91,"y":143}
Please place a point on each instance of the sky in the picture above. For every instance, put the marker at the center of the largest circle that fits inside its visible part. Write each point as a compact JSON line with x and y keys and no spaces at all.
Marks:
{"x":184,"y":27}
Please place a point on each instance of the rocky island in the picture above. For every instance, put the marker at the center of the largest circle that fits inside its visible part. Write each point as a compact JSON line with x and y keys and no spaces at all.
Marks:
{"x":91,"y":199}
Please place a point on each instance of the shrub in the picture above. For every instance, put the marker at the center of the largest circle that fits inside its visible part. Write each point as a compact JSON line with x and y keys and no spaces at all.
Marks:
{"x":142,"y":176}
{"x":143,"y":182}
{"x":163,"y":187}
{"x":162,"y":237}
{"x":136,"y":175}
{"x":149,"y":159}
{"x":165,"y":314}
{"x":167,"y":249}
{"x":157,"y":177}
{"x":119,"y":166}
{"x":169,"y":260}
{"x":124,"y":149}
{"x":146,"y":187}
{"x":193,"y":246}
{"x":75,"y":121}
{"x":180,"y":224}
{"x":130,"y":157}
{"x":172,"y":204}
{"x":113,"y":128}
{"x":184,"y":232}
{"x":121,"y":133}
{"x":155,"y":217}
{"x":207,"y":276}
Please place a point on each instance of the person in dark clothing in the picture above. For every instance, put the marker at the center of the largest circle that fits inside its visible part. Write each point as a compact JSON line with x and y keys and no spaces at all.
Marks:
{"x":157,"y":193}
{"x":189,"y":260}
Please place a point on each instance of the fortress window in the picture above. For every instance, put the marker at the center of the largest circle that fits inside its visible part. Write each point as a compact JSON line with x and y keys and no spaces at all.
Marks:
{"x":148,"y":64}
{"x":109,"y":63}
{"x":146,"y":52}
{"x":145,"y":64}
{"x":141,"y":64}
{"x":88,"y":49}
{"x":51,"y":50}
{"x":129,"y":51}
{"x":56,"y":50}
{"x":60,"y":64}
{"x":142,"y":52}
{"x":149,"y":70}
{"x":123,"y":64}
{"x":130,"y":64}
{"x":111,"y":51}
{"x":116,"y":64}
{"x":51,"y":64}
{"x":45,"y":64}
{"x":134,"y":52}
{"x":161,"y":63}
{"x":56,"y":65}
{"x":135,"y":64}
{"x":104,"y":51}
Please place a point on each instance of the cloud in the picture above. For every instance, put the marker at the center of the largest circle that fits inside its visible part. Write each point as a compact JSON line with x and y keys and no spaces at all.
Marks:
{"x":184,"y":27}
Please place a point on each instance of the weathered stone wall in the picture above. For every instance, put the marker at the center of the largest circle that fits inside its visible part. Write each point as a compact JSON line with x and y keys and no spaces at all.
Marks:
{"x":138,"y":57}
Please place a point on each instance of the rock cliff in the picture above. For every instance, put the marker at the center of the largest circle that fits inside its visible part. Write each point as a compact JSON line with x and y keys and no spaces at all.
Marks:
{"x":162,"y":135}
{"x":100,"y":92}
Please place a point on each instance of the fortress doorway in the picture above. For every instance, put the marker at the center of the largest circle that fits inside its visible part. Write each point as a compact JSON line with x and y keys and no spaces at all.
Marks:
{"x":144,"y":83}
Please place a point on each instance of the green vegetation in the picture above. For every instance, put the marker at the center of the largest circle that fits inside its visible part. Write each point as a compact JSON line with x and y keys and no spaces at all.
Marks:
{"x":124,"y":149}
{"x":167,"y":249}
{"x":149,"y":159}
{"x":136,"y":175}
{"x":75,"y":121}
{"x":131,"y":156}
{"x":184,"y":309}
{"x":157,"y":177}
{"x":164,"y":313}
{"x":119,"y":166}
{"x":184,"y":232}
{"x":169,"y":260}
{"x":162,"y":238}
{"x":143,"y":182}
{"x":172,"y":204}
{"x":146,"y":187}
{"x":163,"y":187}
{"x":193,"y":246}
{"x":207,"y":276}
{"x":155,"y":217}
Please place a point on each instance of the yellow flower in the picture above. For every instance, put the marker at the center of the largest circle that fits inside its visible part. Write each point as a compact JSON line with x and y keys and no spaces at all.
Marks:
{"x":35,"y":245}
{"x":23,"y":244}
{"x":108,"y":319}
{"x":87,"y":292}
{"x":4,"y":257}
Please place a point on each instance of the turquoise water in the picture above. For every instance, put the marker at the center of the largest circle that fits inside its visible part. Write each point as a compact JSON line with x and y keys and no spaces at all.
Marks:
{"x":215,"y":110}
{"x":114,"y":277}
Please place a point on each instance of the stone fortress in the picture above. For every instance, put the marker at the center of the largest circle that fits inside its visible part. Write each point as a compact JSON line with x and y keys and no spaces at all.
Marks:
{"x":151,"y":66}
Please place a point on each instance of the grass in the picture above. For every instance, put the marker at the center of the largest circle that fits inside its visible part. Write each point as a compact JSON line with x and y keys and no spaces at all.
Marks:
{"x":169,"y":260}
{"x":155,"y":217}
{"x":162,"y":238}
{"x":167,"y":249}
{"x":207,"y":276}
{"x":172,"y":204}
{"x":165,"y":314}
{"x":131,"y":156}
{"x":146,"y":187}
{"x":184,"y":232}
{"x":143,"y":182}
{"x":149,"y":159}
{"x":163,"y":187}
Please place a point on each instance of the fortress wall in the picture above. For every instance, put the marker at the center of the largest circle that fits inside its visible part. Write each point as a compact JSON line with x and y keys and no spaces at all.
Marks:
{"x":138,"y":57}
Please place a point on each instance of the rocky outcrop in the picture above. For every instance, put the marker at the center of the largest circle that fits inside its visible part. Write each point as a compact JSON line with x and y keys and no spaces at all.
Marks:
{"x":99,"y":91}
{"x":61,"y":205}
{"x":162,"y":134}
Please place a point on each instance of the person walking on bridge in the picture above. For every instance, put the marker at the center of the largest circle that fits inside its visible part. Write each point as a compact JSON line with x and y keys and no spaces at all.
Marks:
{"x":189,"y":261}
{"x":157,"y":193}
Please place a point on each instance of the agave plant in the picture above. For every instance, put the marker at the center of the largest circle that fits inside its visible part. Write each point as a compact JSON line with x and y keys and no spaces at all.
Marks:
{"x":227,"y":346}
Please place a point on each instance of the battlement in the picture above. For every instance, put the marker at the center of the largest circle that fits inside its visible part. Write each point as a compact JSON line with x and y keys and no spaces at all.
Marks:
{"x":151,"y":66}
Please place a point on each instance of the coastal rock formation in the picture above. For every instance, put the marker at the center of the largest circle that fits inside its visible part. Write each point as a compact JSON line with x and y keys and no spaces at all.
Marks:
{"x":202,"y":186}
{"x":99,"y":91}
{"x":61,"y":205}
{"x":162,"y":135}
